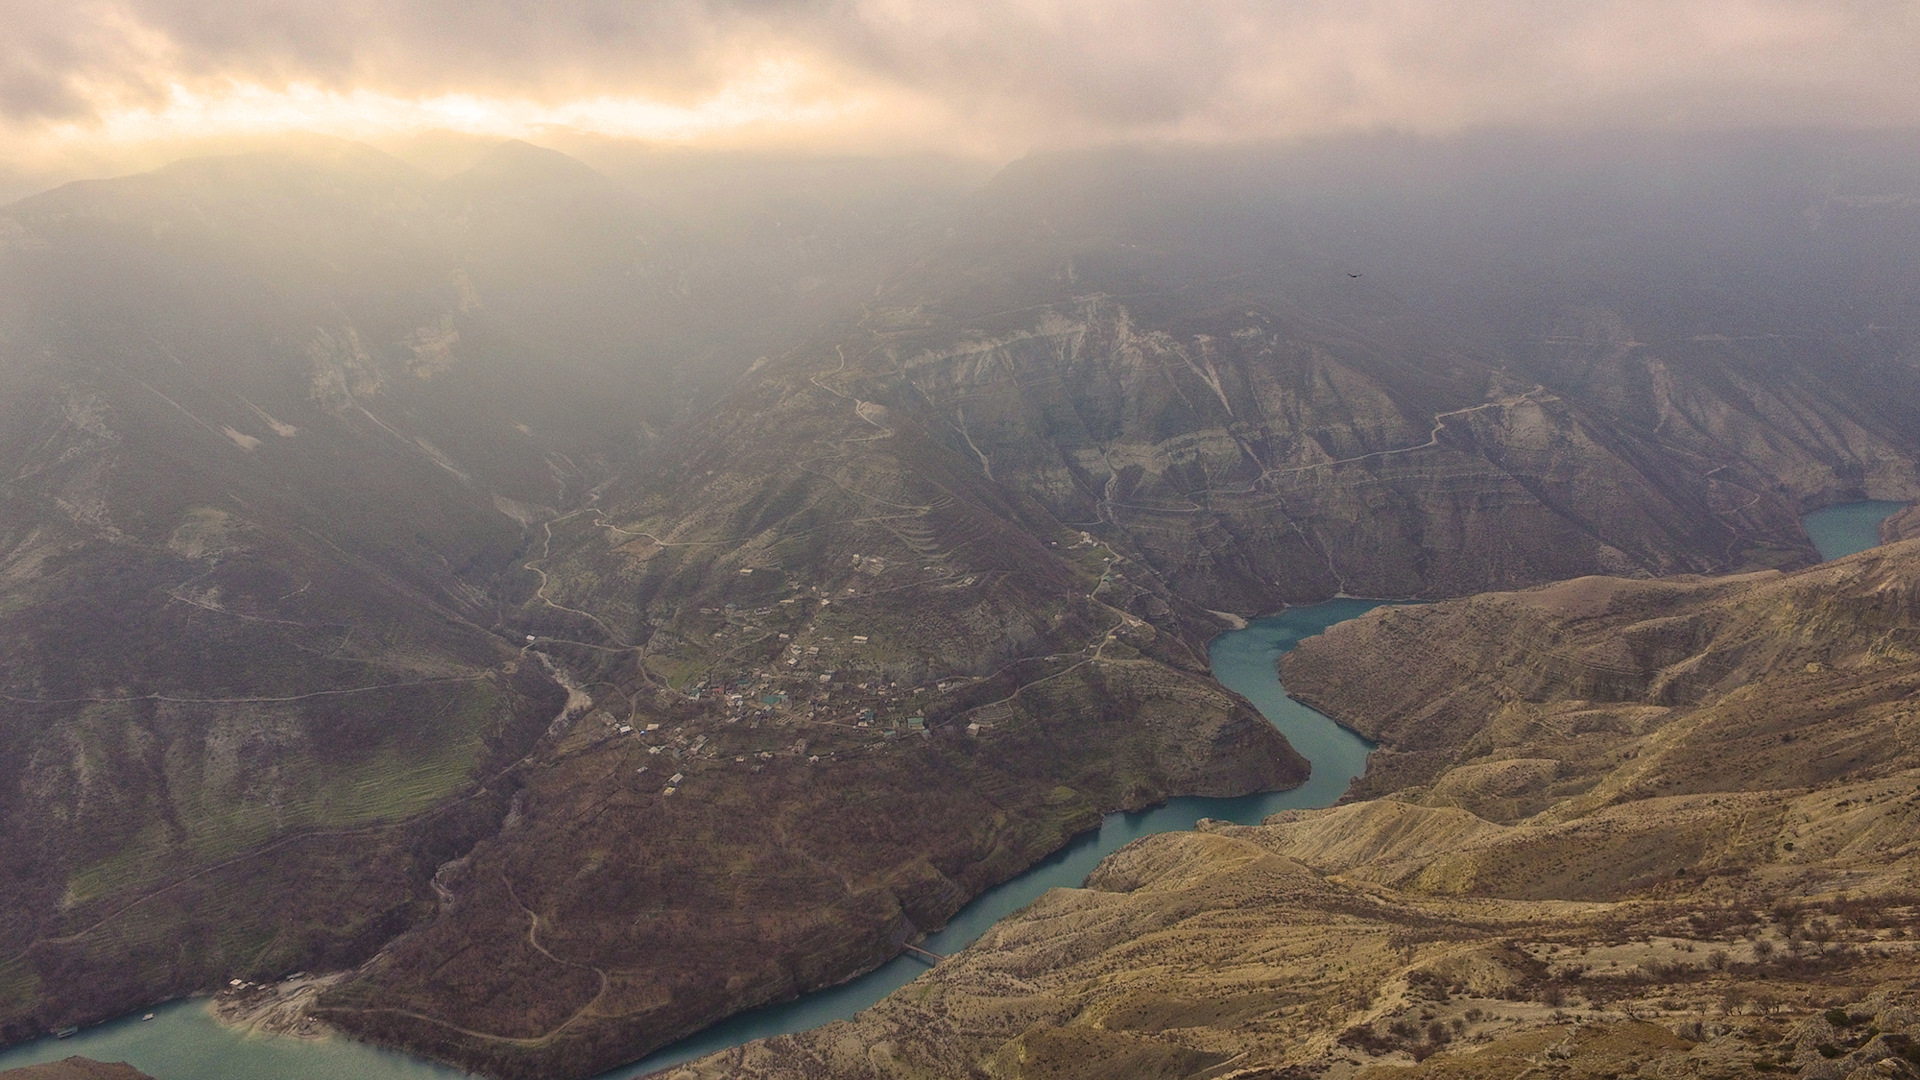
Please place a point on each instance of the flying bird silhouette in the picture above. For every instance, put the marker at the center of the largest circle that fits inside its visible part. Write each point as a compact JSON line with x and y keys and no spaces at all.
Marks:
{"x":1352,"y":274}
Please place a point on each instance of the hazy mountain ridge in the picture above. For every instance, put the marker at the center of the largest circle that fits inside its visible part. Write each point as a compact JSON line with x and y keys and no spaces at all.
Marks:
{"x":221,"y":659}
{"x":1595,"y":855}
{"x":272,"y":426}
{"x":1279,"y":411}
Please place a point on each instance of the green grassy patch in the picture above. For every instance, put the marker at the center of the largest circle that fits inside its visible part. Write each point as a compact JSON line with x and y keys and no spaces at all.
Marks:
{"x":138,"y":861}
{"x":19,"y":987}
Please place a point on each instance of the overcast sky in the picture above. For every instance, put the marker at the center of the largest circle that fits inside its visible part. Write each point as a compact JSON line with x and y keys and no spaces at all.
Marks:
{"x":84,"y":84}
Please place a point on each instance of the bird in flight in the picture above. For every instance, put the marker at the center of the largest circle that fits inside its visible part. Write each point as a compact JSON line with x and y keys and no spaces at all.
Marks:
{"x":1352,"y":274}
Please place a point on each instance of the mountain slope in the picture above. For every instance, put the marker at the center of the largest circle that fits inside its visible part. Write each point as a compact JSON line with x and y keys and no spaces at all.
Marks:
{"x":1710,"y":831}
{"x":233,"y":672}
{"x":271,"y":426}
{"x":1127,"y":388}
{"x":902,"y":693}
{"x":1276,"y":376}
{"x":914,"y":601}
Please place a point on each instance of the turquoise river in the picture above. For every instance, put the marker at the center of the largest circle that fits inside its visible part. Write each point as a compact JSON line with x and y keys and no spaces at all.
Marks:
{"x":183,"y":1042}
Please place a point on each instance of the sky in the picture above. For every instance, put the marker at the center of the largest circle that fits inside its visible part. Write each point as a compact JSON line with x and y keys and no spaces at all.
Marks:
{"x":91,"y":87}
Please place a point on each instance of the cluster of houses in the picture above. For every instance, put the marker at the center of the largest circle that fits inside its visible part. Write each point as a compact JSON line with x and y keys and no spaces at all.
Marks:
{"x":800,"y":686}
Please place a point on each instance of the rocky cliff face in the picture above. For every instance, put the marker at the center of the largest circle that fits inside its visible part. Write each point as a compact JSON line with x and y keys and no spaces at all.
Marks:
{"x":1271,"y":394}
{"x":1252,"y":460}
{"x":1646,"y":650}
{"x":1663,"y":826}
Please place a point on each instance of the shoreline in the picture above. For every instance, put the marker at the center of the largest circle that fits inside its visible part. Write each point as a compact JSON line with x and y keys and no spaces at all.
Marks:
{"x":278,"y":1008}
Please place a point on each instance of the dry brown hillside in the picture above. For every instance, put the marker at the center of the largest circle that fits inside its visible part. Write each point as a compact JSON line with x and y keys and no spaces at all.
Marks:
{"x":1619,"y":828}
{"x":1904,"y":525}
{"x":76,"y":1068}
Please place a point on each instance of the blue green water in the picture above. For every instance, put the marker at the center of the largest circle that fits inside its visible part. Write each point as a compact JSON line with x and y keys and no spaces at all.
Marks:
{"x":1847,"y":529}
{"x":183,"y":1042}
{"x":1243,"y":661}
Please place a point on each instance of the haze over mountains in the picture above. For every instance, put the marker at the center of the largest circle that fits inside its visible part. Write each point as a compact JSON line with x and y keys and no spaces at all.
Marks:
{"x":302,"y":450}
{"x":269,"y":448}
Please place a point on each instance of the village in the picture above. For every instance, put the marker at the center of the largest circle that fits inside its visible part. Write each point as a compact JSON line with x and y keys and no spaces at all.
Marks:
{"x":806,"y":673}
{"x":813,"y":696}
{"x":751,"y":717}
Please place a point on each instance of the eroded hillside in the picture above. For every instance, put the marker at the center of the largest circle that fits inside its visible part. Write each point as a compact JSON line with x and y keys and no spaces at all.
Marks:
{"x":1271,"y":393}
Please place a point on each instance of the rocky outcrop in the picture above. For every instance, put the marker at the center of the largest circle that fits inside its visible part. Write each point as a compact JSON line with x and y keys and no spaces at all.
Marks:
{"x":1902,"y":525}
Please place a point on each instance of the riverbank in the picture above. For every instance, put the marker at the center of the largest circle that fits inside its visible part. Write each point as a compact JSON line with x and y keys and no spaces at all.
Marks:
{"x":186,"y":1041}
{"x":274,"y":1008}
{"x":1244,"y":661}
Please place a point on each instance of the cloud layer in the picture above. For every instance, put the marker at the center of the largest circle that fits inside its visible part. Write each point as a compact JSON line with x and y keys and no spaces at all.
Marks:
{"x":990,"y":76}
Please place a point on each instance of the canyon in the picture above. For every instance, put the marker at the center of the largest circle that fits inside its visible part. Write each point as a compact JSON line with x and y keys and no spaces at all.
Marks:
{"x":1618,"y":826}
{"x":519,"y":597}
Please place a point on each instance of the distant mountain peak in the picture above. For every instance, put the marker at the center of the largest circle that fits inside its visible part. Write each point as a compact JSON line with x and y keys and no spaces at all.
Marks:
{"x":520,"y":163}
